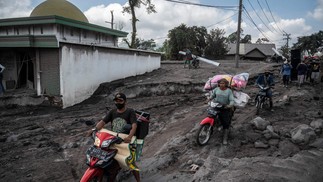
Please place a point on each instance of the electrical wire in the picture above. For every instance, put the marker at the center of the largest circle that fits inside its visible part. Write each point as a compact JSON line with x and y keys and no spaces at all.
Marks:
{"x":253,"y":22}
{"x":259,"y":17}
{"x":266,"y":16}
{"x":274,"y":18}
{"x":204,"y":5}
{"x":222,"y":20}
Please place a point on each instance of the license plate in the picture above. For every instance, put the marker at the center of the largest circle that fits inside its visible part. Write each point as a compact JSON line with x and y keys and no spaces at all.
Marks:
{"x":100,"y":154}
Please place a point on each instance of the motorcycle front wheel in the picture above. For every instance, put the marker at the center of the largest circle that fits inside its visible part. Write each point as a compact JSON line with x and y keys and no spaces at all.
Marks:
{"x":204,"y":134}
{"x":258,"y":104}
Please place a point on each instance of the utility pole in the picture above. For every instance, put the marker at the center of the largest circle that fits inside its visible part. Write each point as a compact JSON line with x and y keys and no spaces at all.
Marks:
{"x":287,"y":38}
{"x":111,"y":19}
{"x":237,"y":57}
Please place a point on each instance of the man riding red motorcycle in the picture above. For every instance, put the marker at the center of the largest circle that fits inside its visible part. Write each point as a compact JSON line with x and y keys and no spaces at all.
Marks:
{"x":223,"y":95}
{"x":121,"y":117}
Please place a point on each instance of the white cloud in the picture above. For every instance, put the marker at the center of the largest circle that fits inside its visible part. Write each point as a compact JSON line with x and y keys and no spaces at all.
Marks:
{"x":318,"y":11}
{"x":169,"y":15}
{"x":11,"y":9}
{"x":101,"y":14}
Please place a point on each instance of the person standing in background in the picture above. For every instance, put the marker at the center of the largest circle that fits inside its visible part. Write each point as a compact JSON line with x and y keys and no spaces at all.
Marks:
{"x":315,"y":72}
{"x":286,"y":71}
{"x":301,"y":72}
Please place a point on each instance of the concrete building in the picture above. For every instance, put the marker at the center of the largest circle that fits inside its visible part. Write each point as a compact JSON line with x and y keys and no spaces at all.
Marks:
{"x":251,"y":51}
{"x":57,"y":52}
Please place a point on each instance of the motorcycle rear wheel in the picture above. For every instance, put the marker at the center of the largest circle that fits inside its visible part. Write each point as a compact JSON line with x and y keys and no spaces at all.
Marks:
{"x":204,"y":134}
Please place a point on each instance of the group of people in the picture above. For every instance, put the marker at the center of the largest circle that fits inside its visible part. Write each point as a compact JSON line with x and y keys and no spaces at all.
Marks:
{"x":121,"y":115}
{"x":306,"y":70}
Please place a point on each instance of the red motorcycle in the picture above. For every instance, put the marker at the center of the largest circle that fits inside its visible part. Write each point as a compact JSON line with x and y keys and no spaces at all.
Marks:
{"x":100,"y":158}
{"x":208,"y":124}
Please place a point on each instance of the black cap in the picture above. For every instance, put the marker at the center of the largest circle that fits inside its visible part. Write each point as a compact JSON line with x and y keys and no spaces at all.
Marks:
{"x":120,"y":96}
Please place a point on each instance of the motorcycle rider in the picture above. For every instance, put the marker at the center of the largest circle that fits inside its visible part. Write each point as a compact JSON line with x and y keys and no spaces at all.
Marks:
{"x":267,"y":79}
{"x":120,"y":117}
{"x":223,"y":95}
{"x":188,"y":58}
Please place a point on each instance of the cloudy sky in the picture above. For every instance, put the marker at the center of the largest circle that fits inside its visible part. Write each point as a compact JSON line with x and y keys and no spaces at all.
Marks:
{"x":269,"y":19}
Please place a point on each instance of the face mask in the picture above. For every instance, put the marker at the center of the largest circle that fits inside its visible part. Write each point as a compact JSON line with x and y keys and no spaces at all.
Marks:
{"x":120,"y":106}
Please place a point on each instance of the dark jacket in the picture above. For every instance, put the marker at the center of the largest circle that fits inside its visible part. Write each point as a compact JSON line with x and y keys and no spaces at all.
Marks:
{"x":301,"y":69}
{"x":265,"y":81}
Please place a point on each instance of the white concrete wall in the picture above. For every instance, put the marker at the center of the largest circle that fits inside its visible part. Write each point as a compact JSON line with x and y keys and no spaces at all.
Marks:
{"x":83,"y":69}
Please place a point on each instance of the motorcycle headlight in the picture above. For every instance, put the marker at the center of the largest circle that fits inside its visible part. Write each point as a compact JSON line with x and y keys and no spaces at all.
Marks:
{"x":97,"y":142}
{"x":106,"y":144}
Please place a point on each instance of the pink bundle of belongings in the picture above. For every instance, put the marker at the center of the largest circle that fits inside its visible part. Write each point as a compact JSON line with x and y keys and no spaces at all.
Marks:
{"x":236,"y":82}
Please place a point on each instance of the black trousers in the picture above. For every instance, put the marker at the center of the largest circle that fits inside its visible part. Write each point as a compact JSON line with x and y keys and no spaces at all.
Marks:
{"x":225,"y":118}
{"x":286,"y":79}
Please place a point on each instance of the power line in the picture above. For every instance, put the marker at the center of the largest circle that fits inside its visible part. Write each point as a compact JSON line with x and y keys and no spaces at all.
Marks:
{"x":259,"y":17}
{"x":204,"y":5}
{"x":248,"y":16}
{"x":266,"y":16}
{"x":222,"y":20}
{"x":260,"y":31}
{"x":273,"y":17}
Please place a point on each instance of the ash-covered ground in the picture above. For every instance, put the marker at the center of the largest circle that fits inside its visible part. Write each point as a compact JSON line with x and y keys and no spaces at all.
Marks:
{"x":45,"y":143}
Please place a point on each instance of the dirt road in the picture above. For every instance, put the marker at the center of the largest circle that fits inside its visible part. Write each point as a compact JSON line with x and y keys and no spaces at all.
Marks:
{"x":42,"y":143}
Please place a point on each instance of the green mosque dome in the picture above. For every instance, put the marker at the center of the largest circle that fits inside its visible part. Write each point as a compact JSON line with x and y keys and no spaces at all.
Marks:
{"x":60,"y":8}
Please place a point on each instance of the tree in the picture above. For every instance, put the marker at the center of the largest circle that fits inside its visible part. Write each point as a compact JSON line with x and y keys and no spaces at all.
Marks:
{"x":216,"y":44}
{"x":182,"y":37}
{"x":131,"y":10}
{"x":246,"y":39}
{"x":146,"y":44}
{"x":309,"y":43}
{"x":199,"y":39}
{"x":232,"y":38}
{"x":164,"y":50}
{"x":179,"y":38}
{"x":262,"y":40}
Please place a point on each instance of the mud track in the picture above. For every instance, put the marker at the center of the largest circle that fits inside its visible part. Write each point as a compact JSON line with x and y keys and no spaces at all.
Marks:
{"x":43,"y":143}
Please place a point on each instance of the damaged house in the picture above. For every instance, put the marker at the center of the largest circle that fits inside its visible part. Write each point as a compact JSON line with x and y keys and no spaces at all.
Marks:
{"x":57,"y":52}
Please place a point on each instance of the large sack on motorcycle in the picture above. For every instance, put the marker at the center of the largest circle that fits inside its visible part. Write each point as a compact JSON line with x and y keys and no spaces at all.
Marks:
{"x":126,"y":155}
{"x":240,"y":81}
{"x":213,"y":82}
{"x":240,"y":98}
